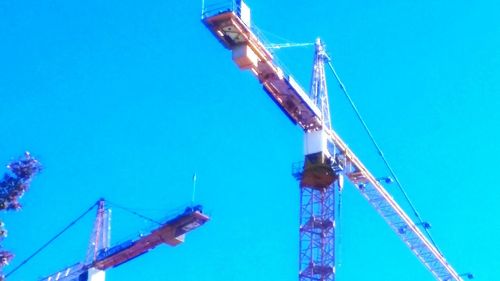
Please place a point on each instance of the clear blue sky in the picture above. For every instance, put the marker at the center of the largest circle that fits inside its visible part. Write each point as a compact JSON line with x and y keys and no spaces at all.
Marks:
{"x":126,"y":99}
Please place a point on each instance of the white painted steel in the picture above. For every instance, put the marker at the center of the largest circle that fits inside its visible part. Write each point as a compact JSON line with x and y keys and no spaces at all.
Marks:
{"x":314,"y":142}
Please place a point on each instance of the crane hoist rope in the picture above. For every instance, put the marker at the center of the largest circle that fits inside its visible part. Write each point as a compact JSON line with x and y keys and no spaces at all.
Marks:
{"x":128,"y":210}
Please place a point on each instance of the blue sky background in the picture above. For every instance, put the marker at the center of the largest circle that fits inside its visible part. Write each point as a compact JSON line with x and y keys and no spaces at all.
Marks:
{"x":126,"y":99}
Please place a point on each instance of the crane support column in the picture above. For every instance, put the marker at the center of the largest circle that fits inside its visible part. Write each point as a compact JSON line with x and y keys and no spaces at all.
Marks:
{"x":317,"y":176}
{"x":317,"y":194}
{"x":317,"y":234}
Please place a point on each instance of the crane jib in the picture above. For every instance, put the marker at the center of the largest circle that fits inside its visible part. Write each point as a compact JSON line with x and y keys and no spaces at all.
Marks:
{"x":171,"y":233}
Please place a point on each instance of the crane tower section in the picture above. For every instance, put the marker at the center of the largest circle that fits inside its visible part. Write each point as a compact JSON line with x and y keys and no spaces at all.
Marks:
{"x":317,"y":194}
{"x":101,"y":233}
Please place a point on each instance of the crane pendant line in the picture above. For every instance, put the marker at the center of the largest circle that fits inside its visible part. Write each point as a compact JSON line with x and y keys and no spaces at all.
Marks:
{"x":45,"y":245}
{"x":231,"y":26}
{"x":379,"y":151}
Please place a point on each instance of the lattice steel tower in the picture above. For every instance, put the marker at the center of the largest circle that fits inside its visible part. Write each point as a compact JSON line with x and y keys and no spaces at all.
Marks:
{"x":317,"y":194}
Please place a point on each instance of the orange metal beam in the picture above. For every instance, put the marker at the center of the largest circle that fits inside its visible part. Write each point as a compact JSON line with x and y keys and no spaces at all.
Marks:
{"x":171,"y":233}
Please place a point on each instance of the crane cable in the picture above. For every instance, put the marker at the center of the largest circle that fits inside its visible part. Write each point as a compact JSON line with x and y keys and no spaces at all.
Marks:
{"x":287,"y":45}
{"x":51,"y":240}
{"x":135,"y":213}
{"x":379,"y":150}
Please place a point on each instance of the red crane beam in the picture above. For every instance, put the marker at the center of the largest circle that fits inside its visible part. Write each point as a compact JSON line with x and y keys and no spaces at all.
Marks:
{"x":171,"y":233}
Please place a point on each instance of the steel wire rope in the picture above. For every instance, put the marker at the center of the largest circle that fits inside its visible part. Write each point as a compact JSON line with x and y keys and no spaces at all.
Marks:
{"x":379,"y":151}
{"x":263,"y":37}
{"x":268,"y":33}
{"x":135,"y":213}
{"x":51,"y":240}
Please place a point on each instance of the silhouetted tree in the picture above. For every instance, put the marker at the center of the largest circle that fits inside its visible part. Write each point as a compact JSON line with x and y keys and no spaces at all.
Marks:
{"x":13,"y":185}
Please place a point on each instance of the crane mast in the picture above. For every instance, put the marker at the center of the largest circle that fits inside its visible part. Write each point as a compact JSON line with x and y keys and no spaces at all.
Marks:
{"x":101,"y":233}
{"x":319,"y":92}
{"x":317,"y":193}
{"x":327,"y":156}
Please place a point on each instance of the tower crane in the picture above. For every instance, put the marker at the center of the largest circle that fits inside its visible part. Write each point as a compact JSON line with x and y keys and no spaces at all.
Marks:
{"x":100,"y":256}
{"x":327,"y":157}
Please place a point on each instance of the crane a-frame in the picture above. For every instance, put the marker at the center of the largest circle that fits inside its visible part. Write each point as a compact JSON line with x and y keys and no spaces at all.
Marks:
{"x":327,"y":157}
{"x":100,"y":256}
